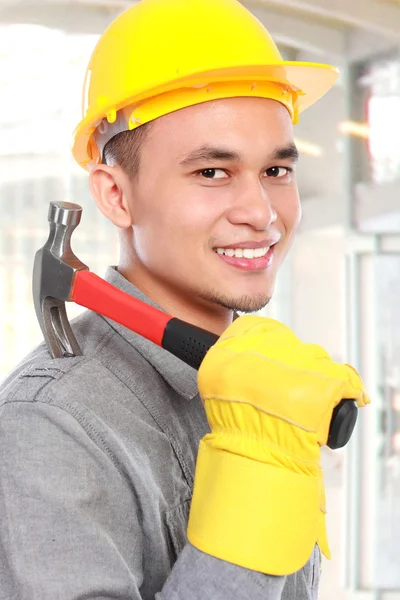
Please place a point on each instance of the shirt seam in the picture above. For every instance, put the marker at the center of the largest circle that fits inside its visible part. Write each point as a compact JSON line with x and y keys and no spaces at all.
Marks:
{"x":174,"y":384}
{"x":155,"y":415}
{"x":51,"y":371}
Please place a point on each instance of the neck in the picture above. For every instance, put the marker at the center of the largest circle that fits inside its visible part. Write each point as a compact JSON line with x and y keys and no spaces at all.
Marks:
{"x":203,"y":314}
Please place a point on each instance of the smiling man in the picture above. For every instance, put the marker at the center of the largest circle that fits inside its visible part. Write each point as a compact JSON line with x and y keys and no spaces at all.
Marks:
{"x":123,"y":474}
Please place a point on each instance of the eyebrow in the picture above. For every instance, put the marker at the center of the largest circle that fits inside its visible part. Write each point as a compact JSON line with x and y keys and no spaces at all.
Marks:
{"x":286,"y":152}
{"x":213,"y":153}
{"x":209,"y":153}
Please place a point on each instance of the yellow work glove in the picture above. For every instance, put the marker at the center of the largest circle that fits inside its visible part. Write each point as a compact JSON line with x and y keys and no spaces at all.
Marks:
{"x":258,"y":488}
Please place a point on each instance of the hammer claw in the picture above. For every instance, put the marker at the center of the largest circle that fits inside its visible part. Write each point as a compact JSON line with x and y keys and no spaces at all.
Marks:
{"x":57,"y":331}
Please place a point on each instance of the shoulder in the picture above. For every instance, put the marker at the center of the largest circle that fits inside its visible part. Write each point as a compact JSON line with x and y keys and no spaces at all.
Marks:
{"x":81,"y":382}
{"x":83,"y":401}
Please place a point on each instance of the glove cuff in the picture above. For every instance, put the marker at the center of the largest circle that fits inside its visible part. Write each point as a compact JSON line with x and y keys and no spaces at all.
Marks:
{"x":252,"y":514}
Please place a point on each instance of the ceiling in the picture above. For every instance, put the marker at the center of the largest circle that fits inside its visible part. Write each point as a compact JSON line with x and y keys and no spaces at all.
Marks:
{"x":381,"y":16}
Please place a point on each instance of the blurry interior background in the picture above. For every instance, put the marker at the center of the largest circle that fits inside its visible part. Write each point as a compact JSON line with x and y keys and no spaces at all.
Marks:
{"x":340,"y":286}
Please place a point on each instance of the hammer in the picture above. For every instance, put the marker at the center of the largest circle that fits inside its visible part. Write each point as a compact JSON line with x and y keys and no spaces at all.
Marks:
{"x":59,"y":277}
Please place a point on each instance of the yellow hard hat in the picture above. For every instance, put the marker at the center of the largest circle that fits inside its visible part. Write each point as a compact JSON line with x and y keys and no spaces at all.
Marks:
{"x":163,"y":55}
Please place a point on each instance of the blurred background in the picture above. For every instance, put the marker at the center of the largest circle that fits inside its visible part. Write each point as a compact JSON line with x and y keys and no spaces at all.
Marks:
{"x":340,"y":286}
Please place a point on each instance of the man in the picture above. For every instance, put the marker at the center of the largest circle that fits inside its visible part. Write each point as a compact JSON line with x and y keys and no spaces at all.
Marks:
{"x":188,"y":137}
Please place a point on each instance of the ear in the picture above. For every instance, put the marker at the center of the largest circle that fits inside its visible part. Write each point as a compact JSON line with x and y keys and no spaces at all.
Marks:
{"x":110,"y":188}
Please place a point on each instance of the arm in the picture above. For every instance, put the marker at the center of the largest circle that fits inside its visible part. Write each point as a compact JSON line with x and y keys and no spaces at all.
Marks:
{"x":69,"y":526}
{"x":199,"y":576}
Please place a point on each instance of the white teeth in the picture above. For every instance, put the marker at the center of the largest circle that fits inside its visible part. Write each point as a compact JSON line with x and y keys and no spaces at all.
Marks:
{"x":253,"y":253}
{"x":249,"y":253}
{"x":259,"y":252}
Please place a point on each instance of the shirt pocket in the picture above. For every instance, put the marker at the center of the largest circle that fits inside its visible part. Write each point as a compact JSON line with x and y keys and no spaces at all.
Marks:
{"x":176,"y":521}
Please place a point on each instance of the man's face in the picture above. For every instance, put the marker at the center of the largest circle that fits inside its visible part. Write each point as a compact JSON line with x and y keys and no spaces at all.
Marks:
{"x":215,"y":206}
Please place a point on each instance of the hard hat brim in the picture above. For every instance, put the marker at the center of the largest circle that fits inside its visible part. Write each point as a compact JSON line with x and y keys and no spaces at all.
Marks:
{"x":310,"y":80}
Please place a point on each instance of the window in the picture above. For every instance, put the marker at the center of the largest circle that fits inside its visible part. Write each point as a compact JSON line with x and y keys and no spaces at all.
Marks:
{"x":41,"y":78}
{"x":382,"y":80}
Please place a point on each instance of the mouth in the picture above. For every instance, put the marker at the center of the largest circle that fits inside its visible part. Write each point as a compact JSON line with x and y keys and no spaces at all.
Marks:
{"x":247,"y":258}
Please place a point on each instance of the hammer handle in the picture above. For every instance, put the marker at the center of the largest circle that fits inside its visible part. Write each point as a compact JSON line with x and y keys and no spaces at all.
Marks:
{"x":98,"y":295}
{"x":184,"y":340}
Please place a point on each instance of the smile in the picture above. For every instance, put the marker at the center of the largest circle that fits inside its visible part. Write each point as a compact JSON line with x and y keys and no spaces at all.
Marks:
{"x":247,"y":259}
{"x":249,"y":253}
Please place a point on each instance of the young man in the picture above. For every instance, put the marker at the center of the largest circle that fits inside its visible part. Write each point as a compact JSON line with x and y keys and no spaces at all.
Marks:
{"x":188,"y":137}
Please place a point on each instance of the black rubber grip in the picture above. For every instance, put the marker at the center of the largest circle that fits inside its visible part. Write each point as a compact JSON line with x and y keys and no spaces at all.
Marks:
{"x":191,"y":343}
{"x":344,"y":418}
{"x":187,"y":342}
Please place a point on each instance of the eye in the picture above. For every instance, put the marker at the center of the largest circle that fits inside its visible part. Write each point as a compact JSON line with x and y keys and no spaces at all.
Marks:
{"x":213,"y":174}
{"x":278,"y":172}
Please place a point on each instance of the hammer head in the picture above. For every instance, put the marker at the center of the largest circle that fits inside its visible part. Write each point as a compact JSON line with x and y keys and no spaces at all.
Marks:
{"x":53,"y":276}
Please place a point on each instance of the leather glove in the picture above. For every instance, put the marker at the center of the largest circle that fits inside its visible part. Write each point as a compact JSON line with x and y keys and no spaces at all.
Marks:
{"x":269,"y":400}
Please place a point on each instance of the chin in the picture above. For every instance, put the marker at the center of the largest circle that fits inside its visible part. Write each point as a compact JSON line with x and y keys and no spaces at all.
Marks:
{"x":246,"y":302}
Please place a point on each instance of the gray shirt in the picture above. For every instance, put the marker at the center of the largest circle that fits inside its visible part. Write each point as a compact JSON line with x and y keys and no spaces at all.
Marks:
{"x":97,"y":461}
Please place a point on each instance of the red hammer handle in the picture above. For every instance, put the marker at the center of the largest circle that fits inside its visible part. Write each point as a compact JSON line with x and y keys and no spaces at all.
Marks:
{"x":98,"y":295}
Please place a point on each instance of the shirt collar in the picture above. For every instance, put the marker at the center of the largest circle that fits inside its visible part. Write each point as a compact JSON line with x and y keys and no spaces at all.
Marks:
{"x":180,"y":376}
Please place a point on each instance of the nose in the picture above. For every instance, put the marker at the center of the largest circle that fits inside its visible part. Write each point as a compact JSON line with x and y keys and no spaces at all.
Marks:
{"x":253,"y":206}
